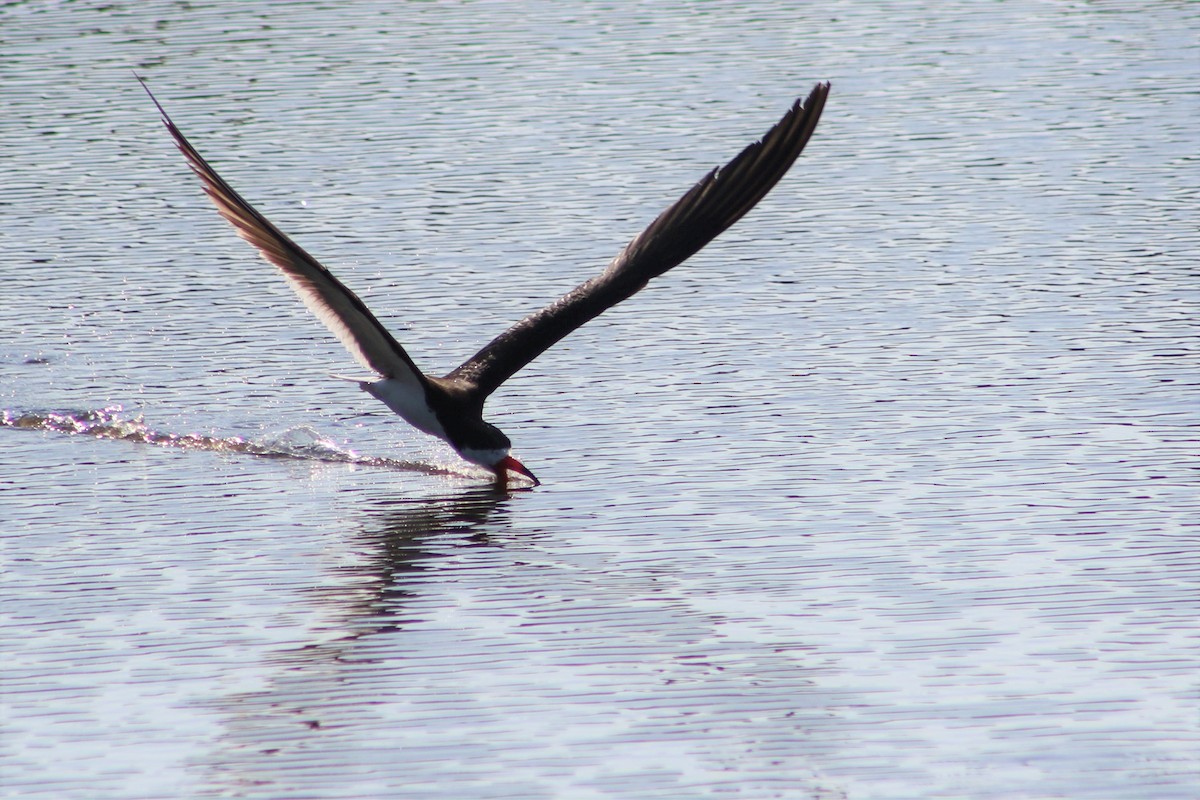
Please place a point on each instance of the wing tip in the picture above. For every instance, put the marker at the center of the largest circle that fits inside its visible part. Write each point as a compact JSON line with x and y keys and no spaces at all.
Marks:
{"x":158,"y":105}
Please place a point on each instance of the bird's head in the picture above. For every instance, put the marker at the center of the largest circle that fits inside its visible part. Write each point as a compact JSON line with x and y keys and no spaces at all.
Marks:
{"x":495,"y":455}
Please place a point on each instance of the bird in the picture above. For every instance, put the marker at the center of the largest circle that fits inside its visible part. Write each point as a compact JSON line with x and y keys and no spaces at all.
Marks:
{"x":451,"y":407}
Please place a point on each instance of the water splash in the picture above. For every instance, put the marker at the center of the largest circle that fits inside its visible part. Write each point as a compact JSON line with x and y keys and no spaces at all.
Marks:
{"x":303,"y":443}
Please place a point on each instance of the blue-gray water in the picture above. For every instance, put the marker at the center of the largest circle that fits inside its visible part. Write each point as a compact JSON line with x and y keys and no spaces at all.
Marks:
{"x":890,"y":493}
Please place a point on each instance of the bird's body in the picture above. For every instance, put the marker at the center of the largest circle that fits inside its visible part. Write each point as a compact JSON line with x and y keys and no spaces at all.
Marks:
{"x":451,"y":407}
{"x":408,"y":399}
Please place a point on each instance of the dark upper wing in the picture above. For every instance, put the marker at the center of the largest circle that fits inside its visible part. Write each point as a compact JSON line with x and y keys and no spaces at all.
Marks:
{"x":720,"y":199}
{"x":339,"y":308}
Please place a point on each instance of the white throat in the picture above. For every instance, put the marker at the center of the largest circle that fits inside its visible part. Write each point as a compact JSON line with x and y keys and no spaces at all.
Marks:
{"x":484,"y":458}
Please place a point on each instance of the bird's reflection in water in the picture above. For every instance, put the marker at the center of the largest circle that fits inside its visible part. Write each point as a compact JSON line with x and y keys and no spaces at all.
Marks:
{"x":405,"y":540}
{"x":333,"y":681}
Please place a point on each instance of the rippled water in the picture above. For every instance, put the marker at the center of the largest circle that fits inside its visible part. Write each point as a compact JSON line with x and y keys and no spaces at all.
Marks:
{"x":890,"y":493}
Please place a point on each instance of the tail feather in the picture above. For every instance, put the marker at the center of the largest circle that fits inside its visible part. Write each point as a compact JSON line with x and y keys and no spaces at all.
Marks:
{"x":362,"y":382}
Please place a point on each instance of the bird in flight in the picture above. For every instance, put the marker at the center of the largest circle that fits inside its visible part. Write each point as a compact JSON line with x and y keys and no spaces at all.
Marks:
{"x":451,"y":407}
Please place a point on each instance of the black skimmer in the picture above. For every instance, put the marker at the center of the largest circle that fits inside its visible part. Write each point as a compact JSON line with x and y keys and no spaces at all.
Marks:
{"x":451,"y":407}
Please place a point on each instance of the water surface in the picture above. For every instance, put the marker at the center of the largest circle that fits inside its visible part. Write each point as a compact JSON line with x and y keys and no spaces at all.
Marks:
{"x":890,"y":493}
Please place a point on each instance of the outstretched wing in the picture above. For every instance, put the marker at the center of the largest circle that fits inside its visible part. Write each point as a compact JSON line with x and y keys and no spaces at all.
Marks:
{"x":720,"y":199}
{"x":339,"y":308}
